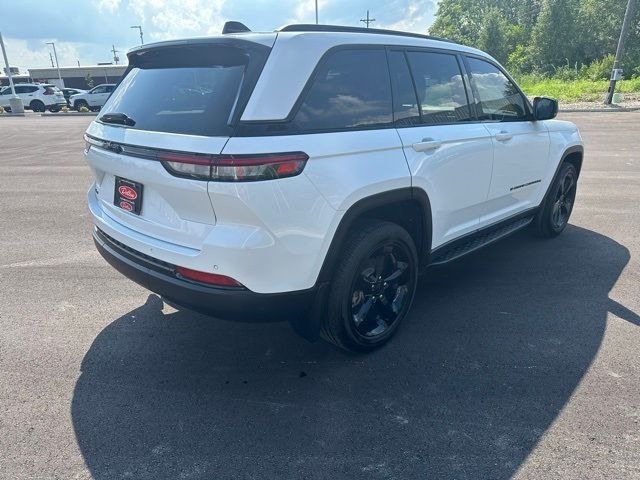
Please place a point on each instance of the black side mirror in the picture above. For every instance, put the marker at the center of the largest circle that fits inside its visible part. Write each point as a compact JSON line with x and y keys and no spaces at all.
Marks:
{"x":545,"y":108}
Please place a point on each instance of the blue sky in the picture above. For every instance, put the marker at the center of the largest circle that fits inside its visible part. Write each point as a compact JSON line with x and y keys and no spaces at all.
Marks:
{"x":85,"y":30}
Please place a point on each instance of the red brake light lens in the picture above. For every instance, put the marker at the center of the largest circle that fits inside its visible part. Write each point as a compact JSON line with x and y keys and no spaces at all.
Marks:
{"x":248,"y":168}
{"x":210,"y":278}
{"x":234,"y":168}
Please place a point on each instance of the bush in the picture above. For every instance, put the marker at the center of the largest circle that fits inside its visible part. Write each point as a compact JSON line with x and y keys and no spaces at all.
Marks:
{"x":598,"y":69}
{"x":566,"y":73}
{"x":83,"y":109}
{"x":65,"y":109}
{"x":1,"y":110}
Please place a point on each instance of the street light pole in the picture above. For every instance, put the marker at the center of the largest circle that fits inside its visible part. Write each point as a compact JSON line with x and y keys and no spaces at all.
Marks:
{"x":57,"y":65}
{"x":139,"y":27}
{"x":316,"y":12}
{"x":14,"y":101}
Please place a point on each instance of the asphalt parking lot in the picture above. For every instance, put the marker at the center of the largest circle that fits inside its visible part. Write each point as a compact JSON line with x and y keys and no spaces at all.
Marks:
{"x":520,"y":361}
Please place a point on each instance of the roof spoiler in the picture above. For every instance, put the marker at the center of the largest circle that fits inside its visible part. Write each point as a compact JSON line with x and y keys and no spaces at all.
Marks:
{"x":234,"y":27}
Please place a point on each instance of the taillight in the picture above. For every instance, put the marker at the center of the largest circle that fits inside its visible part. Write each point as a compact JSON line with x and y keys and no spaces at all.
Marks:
{"x":234,"y":168}
{"x":204,"y":277}
{"x":187,"y":165}
{"x":220,"y":168}
{"x":246,"y":168}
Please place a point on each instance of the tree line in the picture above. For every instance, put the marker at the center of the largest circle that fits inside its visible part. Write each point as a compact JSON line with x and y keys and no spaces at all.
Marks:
{"x":562,"y":38}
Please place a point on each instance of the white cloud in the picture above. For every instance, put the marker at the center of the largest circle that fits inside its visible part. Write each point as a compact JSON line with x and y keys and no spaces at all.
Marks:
{"x":305,"y":11}
{"x":25,"y":54}
{"x":166,"y":19}
{"x":108,"y":5}
{"x":417,"y":17}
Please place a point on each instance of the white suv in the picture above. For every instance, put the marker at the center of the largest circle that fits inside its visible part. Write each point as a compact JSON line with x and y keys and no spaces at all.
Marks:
{"x":310,"y":174}
{"x":94,"y":99}
{"x":35,"y":96}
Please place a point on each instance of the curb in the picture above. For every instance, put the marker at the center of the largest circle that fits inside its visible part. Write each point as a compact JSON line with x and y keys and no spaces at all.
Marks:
{"x":69,"y":114}
{"x":11,"y":115}
{"x":599,"y":110}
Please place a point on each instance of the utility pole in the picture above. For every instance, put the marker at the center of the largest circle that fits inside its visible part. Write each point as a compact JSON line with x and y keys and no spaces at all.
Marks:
{"x":367,"y":20}
{"x":15,"y":102}
{"x":139,"y":27}
{"x":616,"y":73}
{"x":115,"y":54}
{"x":51,"y":58}
{"x":316,"y":12}
{"x":57,"y":65}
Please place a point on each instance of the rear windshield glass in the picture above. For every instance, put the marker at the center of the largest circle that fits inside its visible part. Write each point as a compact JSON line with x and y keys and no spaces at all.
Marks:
{"x":189,"y":90}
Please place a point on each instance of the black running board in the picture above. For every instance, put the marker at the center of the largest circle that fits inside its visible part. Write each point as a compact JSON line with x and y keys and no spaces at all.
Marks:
{"x":477,"y":240}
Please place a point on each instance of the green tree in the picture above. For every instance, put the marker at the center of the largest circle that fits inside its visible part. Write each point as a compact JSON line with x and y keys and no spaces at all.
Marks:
{"x":555,"y":39}
{"x":492,"y":35}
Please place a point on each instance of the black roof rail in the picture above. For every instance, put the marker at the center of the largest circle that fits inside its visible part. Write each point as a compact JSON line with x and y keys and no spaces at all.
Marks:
{"x":234,"y":27}
{"x":310,"y":27}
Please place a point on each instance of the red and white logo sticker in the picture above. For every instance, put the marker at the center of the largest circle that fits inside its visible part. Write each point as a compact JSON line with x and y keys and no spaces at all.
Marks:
{"x":126,"y":206}
{"x":127,"y":192}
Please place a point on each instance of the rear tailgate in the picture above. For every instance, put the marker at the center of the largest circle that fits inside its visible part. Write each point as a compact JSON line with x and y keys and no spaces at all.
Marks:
{"x":175,"y":210}
{"x":175,"y":99}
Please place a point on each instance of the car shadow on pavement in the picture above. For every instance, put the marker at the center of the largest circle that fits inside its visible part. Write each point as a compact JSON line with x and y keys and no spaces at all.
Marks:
{"x":493,"y":349}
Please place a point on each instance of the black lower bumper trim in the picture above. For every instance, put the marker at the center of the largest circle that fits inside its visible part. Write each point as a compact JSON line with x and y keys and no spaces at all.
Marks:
{"x":227,"y":303}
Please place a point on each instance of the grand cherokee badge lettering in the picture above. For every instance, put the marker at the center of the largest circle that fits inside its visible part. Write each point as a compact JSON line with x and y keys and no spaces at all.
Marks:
{"x":113,"y":147}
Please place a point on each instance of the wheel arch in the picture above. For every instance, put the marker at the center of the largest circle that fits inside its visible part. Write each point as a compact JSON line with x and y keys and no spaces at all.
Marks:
{"x":573,"y":155}
{"x":408,"y":207}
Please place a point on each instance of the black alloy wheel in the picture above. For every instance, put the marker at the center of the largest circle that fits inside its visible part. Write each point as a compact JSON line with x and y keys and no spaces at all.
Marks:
{"x":381,"y":290}
{"x":372,"y":287}
{"x":553,"y":216}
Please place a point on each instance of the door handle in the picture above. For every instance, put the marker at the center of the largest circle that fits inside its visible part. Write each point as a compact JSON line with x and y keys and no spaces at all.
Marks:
{"x":503,"y":136}
{"x":427,"y":145}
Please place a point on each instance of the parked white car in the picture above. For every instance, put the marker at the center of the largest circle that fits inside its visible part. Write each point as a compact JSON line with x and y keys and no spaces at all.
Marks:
{"x":310,"y":174}
{"x":94,"y":99}
{"x":35,"y":96}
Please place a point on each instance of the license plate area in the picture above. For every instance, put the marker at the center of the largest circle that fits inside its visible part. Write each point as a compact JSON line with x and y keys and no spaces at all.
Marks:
{"x":128,"y":195}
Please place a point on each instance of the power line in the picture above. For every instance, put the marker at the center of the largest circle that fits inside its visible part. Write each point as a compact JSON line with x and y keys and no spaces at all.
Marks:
{"x":367,"y":20}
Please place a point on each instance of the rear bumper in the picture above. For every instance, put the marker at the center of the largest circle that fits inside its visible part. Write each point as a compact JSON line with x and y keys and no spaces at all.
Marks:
{"x":227,"y":303}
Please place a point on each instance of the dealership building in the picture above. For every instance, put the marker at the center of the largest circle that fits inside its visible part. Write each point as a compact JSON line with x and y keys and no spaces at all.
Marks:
{"x":72,"y":77}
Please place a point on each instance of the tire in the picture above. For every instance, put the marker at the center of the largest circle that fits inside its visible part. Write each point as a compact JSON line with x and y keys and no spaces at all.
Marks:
{"x":78,"y":104}
{"x":554,"y":215}
{"x":54,"y":109}
{"x":37,"y":106}
{"x":364,"y":311}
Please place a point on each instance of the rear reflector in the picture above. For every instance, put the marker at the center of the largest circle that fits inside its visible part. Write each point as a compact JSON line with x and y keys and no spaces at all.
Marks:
{"x":210,"y":278}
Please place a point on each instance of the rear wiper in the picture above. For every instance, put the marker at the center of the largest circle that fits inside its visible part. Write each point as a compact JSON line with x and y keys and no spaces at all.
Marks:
{"x":119,"y":118}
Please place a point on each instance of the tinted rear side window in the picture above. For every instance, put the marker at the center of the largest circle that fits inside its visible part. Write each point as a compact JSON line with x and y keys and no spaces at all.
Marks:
{"x":441,"y":91}
{"x":351,"y":89}
{"x":189,"y":90}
